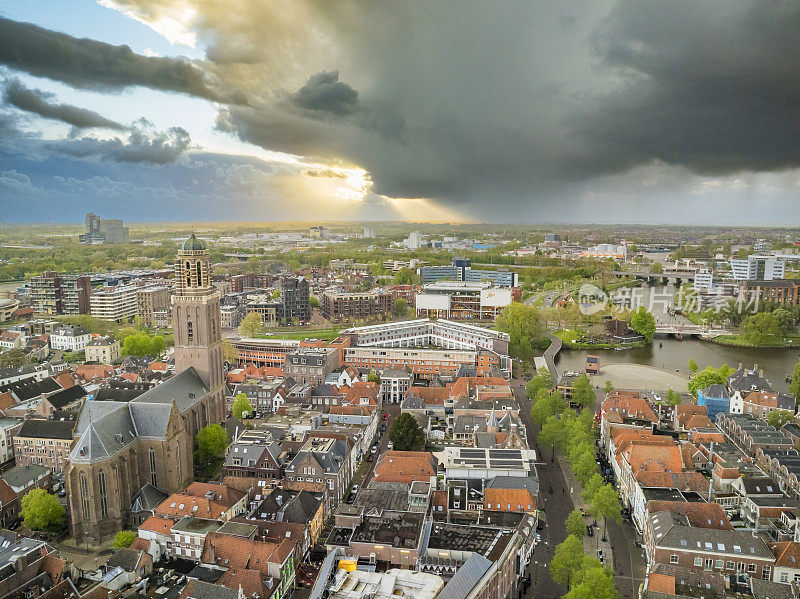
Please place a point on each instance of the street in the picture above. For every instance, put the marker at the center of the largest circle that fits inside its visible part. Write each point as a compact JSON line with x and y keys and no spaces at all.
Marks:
{"x":628,"y":561}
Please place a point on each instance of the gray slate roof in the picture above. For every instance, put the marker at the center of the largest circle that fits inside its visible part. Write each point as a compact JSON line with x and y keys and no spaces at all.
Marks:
{"x":22,"y":476}
{"x":466,"y":577}
{"x":147,"y":499}
{"x":712,"y":541}
{"x":46,"y":429}
{"x":125,"y":558}
{"x":185,"y":388}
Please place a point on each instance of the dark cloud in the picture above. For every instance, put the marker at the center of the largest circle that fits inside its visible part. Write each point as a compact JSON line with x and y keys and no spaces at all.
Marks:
{"x":712,"y":86}
{"x":39,"y":102}
{"x":159,"y":148}
{"x":323,"y":92}
{"x":90,"y":64}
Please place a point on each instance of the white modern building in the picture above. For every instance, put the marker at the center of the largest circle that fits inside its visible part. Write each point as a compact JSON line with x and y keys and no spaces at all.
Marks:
{"x":704,"y":280}
{"x":463,"y":463}
{"x":462,"y":299}
{"x":414,"y":241}
{"x":114,"y":303}
{"x":69,"y":338}
{"x":758,"y":268}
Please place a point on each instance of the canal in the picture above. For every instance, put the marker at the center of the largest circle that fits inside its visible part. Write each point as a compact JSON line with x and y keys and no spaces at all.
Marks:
{"x":670,"y":354}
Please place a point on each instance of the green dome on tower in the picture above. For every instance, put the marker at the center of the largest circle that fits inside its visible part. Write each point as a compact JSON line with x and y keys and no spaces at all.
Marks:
{"x":193,"y":244}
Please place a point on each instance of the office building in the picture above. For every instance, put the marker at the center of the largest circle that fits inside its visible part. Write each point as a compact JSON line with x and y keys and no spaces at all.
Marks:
{"x":369,"y":232}
{"x":69,"y":338}
{"x":758,"y":268}
{"x":149,"y":300}
{"x":462,"y":300}
{"x":114,"y":303}
{"x":461,"y":270}
{"x":414,"y":241}
{"x":704,"y":280}
{"x":241,"y":282}
{"x":100,"y":230}
{"x":367,"y":304}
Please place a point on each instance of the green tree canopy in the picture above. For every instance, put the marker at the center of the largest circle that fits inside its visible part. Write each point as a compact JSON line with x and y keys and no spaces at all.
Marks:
{"x":673,"y":398}
{"x":595,"y":583}
{"x":794,"y":386}
{"x":400,"y":306}
{"x":42,"y":511}
{"x":405,"y":276}
{"x":567,"y":560}
{"x":313,"y":302}
{"x":538,"y":384}
{"x":212,"y":441}
{"x":778,"y":418}
{"x":643,"y":323}
{"x":406,"y":434}
{"x":374,"y":377}
{"x":241,"y":405}
{"x":608,"y":388}
{"x":762,"y":329}
{"x":525,"y":327}
{"x":13,"y":358}
{"x":124,"y":538}
{"x":548,"y":404}
{"x":591,"y":487}
{"x":140,"y":343}
{"x":708,"y":376}
{"x":575,"y":524}
{"x":251,"y":325}
{"x":605,"y":504}
{"x":692,"y":366}
{"x":583,"y":392}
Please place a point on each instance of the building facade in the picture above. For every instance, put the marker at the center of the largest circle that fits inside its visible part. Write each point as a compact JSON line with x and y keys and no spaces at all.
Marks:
{"x":149,"y":300}
{"x":116,"y":303}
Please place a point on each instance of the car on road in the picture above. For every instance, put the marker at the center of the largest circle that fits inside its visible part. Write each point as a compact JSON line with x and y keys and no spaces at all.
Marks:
{"x":538,"y":538}
{"x":391,"y":445}
{"x":386,"y":416}
{"x":383,"y":428}
{"x":370,"y":458}
{"x":600,"y":553}
{"x":374,"y":449}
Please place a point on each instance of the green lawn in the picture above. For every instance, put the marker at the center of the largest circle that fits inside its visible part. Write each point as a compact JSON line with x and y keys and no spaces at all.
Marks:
{"x":738,"y":341}
{"x":325,"y":334}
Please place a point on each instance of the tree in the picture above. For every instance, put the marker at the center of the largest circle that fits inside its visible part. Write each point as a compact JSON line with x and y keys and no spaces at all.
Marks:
{"x":547,"y":405}
{"x":567,"y":560}
{"x":692,"y":366}
{"x":673,"y":398}
{"x":605,"y":504}
{"x":313,"y":302}
{"x":124,"y":538}
{"x":400,"y":307}
{"x":212,"y":441}
{"x":595,"y":583}
{"x":778,"y":418}
{"x":140,"y":343}
{"x":708,"y":376}
{"x":241,"y":405}
{"x":794,"y":386}
{"x":525,"y":328}
{"x":406,"y":434}
{"x":657,"y":268}
{"x":229,"y":352}
{"x":608,"y":388}
{"x":553,"y":433}
{"x":251,"y":325}
{"x":541,"y":382}
{"x":575,"y":524}
{"x":583,"y":392}
{"x":762,"y":329}
{"x":42,"y":511}
{"x":276,"y":293}
{"x":643,"y":323}
{"x":591,"y":487}
{"x":585,"y":465}
{"x":374,"y":377}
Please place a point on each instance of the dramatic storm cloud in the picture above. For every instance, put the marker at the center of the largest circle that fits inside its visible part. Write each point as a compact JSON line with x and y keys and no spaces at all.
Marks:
{"x":90,"y":64}
{"x":41,"y":103}
{"x":567,"y":110}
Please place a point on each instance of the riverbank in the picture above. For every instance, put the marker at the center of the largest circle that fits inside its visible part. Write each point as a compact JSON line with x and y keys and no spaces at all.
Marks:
{"x":638,"y":376}
{"x":573,"y":340}
{"x":736,"y":341}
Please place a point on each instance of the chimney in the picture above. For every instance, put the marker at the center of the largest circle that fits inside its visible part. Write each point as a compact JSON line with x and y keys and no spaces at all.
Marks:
{"x":761,"y":373}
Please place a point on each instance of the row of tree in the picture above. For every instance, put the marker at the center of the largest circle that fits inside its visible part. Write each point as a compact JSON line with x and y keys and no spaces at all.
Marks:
{"x":586,"y":577}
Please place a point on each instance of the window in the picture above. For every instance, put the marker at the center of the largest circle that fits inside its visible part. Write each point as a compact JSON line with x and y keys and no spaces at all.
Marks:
{"x":673,"y":559}
{"x":709,"y":564}
{"x":766,"y":571}
{"x":718,"y":564}
{"x":153,"y":477}
{"x":751,"y":567}
{"x":84,"y":484}
{"x":784,"y":577}
{"x":101,"y":482}
{"x":698,"y":561}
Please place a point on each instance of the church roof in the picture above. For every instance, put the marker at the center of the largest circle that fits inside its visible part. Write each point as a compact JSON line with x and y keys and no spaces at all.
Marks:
{"x":147,"y":499}
{"x":193,"y":244}
{"x":185,"y":388}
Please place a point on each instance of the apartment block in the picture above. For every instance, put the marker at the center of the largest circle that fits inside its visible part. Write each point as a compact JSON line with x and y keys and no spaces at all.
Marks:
{"x":341,"y":304}
{"x":114,"y":303}
{"x":149,"y":300}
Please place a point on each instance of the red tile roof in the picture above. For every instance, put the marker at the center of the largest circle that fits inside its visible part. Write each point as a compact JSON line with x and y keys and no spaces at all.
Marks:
{"x":159,"y":525}
{"x":700,"y":515}
{"x":178,"y":505}
{"x":405,"y":466}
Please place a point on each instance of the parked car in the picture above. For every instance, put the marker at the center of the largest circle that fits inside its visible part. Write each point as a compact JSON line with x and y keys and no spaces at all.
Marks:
{"x":600,"y":553}
{"x":370,"y":458}
{"x":386,"y":416}
{"x":383,"y":428}
{"x":374,"y":449}
{"x":390,"y":445}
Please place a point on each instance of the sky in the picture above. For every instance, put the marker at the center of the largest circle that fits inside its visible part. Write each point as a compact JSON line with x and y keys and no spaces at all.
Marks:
{"x":609,"y":111}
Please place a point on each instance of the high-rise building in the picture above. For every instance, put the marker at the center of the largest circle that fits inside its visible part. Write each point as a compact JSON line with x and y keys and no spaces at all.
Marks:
{"x":461,"y":270}
{"x":295,"y":298}
{"x":100,"y":230}
{"x":197,"y":323}
{"x":53,"y":293}
{"x":149,"y":300}
{"x":758,"y":268}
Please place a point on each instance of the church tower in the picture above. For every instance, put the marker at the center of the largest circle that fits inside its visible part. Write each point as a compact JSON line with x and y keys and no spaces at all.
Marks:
{"x":196,"y":323}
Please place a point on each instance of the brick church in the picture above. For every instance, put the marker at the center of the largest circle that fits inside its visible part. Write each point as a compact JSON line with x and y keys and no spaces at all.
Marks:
{"x":129,"y":452}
